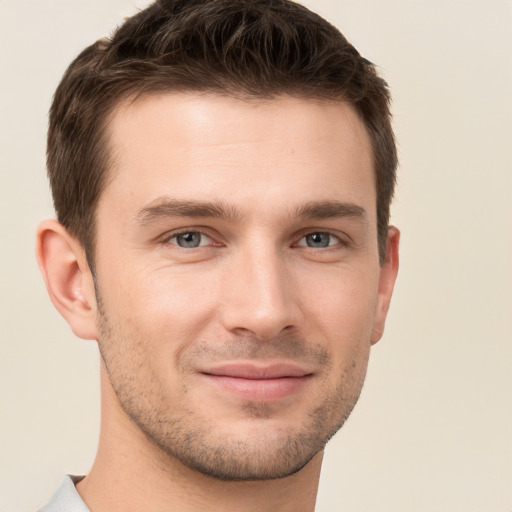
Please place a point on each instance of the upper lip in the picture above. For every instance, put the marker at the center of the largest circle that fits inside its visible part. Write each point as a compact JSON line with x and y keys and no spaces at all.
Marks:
{"x":257,"y":371}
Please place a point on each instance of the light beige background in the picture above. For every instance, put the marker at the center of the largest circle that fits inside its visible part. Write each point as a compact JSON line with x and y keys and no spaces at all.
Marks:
{"x":433,"y":429}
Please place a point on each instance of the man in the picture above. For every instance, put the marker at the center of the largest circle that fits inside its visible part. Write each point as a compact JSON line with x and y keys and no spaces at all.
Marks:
{"x":222,"y":172}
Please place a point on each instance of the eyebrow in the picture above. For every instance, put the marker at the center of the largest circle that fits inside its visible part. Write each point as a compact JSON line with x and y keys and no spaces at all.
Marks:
{"x":331,"y":210}
{"x":165,"y":207}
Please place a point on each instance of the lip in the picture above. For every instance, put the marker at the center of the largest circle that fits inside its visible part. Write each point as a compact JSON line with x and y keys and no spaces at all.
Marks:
{"x":264,"y":383}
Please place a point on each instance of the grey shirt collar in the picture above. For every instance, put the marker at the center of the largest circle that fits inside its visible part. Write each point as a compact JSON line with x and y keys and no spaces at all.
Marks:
{"x":66,"y":498}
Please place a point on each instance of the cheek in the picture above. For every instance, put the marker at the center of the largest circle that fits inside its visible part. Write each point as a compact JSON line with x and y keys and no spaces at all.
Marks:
{"x":165,"y":309}
{"x":342,"y":314}
{"x":346,"y":297}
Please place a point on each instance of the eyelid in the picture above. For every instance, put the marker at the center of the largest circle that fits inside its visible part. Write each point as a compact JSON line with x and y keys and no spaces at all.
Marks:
{"x":344,"y":240}
{"x":167,"y":237}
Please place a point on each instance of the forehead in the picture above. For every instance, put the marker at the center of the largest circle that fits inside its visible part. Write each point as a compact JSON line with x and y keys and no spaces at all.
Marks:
{"x":280,"y":151}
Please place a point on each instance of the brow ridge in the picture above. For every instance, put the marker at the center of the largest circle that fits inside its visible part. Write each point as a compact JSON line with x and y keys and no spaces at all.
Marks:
{"x":331,"y":209}
{"x":164,"y":207}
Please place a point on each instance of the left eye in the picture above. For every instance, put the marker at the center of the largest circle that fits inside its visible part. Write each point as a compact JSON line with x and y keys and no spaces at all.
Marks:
{"x":190,"y":239}
{"x":319,"y":240}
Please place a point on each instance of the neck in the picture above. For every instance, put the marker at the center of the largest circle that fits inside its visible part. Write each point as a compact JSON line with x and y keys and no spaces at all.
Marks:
{"x":130,"y":473}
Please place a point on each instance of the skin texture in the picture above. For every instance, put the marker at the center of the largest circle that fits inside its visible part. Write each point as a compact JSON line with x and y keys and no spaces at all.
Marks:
{"x":279,"y":195}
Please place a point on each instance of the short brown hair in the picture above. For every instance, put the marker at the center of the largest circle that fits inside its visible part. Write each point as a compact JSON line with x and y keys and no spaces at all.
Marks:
{"x":247,"y":48}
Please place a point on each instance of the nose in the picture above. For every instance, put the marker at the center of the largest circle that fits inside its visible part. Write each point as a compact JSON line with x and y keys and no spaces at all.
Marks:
{"x":260,"y":296}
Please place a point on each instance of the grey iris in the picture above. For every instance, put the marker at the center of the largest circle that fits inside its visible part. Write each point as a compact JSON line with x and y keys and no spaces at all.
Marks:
{"x":318,"y":239}
{"x":189,"y":240}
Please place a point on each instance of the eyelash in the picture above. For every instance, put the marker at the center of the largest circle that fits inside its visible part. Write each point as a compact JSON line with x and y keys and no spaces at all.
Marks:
{"x":342,"y":241}
{"x":170,"y":236}
{"x":339,"y":242}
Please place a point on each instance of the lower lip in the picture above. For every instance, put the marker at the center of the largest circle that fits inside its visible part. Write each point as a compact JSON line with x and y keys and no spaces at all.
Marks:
{"x":261,"y":390}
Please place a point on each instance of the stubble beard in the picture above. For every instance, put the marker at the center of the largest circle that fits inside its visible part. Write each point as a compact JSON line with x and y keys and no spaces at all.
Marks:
{"x":185,"y":435}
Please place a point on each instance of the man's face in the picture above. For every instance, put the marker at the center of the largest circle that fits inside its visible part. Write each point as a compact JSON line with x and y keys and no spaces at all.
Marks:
{"x":238,"y":276}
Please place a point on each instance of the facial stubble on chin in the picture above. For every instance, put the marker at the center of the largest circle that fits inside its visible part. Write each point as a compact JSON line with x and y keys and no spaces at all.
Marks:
{"x":183,"y":434}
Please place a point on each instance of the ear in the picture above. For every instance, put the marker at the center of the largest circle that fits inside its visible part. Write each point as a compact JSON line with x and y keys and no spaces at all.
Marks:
{"x":387,"y":279}
{"x":68,"y":278}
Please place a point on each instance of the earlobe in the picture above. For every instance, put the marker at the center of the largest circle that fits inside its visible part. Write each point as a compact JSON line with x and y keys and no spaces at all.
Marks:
{"x":68,"y":278}
{"x":387,"y":280}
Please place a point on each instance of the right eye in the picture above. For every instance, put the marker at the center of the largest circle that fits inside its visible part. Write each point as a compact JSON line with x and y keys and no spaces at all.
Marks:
{"x":190,"y":239}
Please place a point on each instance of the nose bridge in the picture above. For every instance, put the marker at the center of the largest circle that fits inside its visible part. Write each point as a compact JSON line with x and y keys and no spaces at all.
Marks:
{"x":260,"y":296}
